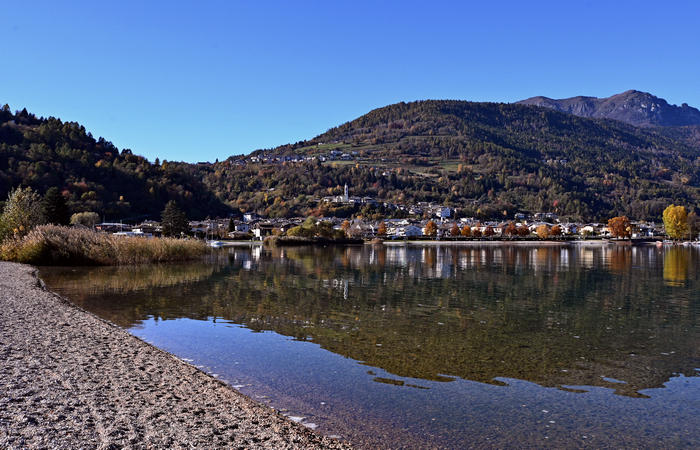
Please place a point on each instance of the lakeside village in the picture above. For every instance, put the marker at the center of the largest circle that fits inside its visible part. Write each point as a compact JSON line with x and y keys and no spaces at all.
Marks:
{"x":430,"y":222}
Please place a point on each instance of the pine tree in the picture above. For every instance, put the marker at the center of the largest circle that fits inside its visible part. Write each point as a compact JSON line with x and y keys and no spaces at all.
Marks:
{"x":173,"y":220}
{"x":55,"y":207}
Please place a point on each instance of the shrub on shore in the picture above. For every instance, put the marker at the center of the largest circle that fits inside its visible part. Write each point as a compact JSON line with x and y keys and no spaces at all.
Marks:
{"x":58,"y":245}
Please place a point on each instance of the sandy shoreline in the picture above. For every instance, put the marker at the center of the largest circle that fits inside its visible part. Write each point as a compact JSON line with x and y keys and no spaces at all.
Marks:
{"x":69,"y":379}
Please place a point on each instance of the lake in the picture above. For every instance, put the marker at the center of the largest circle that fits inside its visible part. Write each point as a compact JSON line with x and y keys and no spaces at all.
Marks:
{"x":433,"y":346}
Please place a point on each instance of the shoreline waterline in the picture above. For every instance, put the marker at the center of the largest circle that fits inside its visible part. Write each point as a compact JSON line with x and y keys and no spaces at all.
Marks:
{"x":70,"y":378}
{"x":427,"y":346}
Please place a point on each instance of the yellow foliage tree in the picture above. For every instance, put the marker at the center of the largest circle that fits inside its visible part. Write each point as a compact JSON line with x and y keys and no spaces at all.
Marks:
{"x":542,"y":231}
{"x":676,"y":221}
{"x":466,"y":231}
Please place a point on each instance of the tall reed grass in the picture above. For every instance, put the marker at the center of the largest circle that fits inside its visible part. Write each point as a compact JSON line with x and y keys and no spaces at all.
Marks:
{"x":57,"y":245}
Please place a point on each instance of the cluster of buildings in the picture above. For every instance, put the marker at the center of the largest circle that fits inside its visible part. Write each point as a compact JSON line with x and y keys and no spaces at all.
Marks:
{"x":331,"y":155}
{"x":252,"y":226}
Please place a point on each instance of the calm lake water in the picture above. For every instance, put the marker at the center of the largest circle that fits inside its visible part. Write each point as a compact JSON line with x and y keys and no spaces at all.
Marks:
{"x":433,"y":346}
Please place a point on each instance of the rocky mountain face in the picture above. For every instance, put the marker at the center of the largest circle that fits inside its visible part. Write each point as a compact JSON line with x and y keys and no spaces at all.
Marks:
{"x":633,"y":107}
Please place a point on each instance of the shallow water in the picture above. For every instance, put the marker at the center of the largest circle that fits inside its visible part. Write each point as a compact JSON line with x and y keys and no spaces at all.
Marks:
{"x":433,"y":346}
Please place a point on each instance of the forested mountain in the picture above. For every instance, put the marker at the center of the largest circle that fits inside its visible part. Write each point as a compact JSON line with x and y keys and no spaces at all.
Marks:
{"x":92,"y":173}
{"x":487,"y":159}
{"x":484,"y":159}
{"x":634,"y":107}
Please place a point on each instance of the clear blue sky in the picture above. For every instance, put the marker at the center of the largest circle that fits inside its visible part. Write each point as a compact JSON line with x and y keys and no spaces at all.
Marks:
{"x":197,"y":81}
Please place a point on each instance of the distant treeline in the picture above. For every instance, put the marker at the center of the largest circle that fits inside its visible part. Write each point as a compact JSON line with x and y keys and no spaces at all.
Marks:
{"x":92,"y":173}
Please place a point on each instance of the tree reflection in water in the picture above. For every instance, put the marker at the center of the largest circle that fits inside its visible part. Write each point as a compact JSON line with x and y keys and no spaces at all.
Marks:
{"x":556,"y":316}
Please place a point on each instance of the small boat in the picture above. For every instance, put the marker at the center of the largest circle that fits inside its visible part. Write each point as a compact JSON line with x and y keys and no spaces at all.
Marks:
{"x":215,"y":244}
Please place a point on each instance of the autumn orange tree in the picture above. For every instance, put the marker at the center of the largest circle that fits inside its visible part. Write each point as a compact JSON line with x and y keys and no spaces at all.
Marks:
{"x":454,"y":231}
{"x":542,"y":231}
{"x":511,"y":229}
{"x":382,"y":229}
{"x":430,"y":228}
{"x":466,"y":231}
{"x":488,"y":232}
{"x":523,"y":231}
{"x":620,"y":227}
{"x":555,"y":231}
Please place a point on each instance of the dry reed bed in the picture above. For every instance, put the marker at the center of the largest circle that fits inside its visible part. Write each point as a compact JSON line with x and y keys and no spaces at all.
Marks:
{"x":57,"y":245}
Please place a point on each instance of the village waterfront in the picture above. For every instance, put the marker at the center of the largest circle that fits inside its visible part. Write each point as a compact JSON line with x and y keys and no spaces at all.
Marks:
{"x":433,"y":345}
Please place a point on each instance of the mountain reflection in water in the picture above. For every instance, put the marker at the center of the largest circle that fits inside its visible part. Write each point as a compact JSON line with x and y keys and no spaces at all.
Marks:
{"x":576,"y":318}
{"x":555,"y":316}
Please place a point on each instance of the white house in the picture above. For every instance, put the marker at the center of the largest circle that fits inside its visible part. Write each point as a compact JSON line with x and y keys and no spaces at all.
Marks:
{"x":443,"y":212}
{"x":406,"y":231}
{"x":249,"y":217}
{"x":242,"y":227}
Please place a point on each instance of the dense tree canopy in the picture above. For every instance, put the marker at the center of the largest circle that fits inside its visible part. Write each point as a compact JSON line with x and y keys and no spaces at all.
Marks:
{"x":676,"y":221}
{"x":92,"y":174}
{"x":485,"y":160}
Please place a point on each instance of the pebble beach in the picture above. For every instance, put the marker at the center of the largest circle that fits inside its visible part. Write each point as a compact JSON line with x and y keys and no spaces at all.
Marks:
{"x":69,"y":379}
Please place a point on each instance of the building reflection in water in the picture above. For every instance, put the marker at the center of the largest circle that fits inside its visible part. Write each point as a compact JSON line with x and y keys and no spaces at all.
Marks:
{"x":554,"y":315}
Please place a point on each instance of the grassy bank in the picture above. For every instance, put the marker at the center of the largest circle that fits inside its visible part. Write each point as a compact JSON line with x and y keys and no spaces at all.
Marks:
{"x":57,"y":245}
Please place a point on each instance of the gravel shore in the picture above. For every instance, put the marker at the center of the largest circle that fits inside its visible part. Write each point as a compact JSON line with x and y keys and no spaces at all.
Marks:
{"x":71,"y":380}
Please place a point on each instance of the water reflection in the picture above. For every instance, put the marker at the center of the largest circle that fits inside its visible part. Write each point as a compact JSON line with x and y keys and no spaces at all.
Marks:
{"x":676,"y":264}
{"x":618,"y":317}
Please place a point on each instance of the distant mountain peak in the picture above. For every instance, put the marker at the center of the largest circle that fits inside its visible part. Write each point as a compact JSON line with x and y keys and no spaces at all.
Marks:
{"x":632,"y":106}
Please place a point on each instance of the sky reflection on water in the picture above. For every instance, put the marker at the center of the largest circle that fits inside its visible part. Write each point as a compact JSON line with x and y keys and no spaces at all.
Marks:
{"x":447,"y":346}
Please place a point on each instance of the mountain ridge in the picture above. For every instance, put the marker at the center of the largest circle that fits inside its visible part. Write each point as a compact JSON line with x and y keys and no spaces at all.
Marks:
{"x":485,"y":160}
{"x":634,"y":107}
